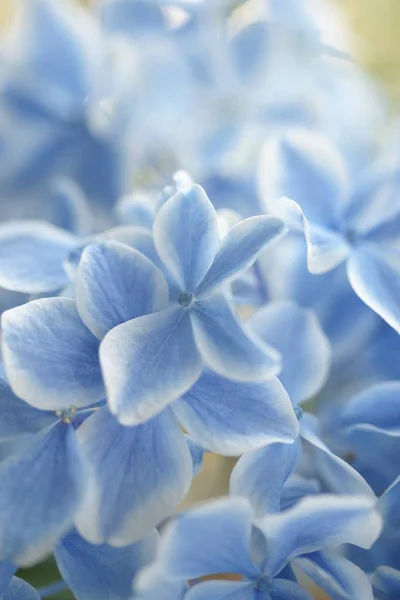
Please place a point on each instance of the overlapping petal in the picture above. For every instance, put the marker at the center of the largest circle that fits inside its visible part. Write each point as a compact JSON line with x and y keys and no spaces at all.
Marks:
{"x":16,"y":416}
{"x":227,"y":346}
{"x":42,"y":489}
{"x":296,"y":334}
{"x":376,"y":407}
{"x":31,"y":256}
{"x":141,"y":474}
{"x":302,"y":165}
{"x":215,"y":538}
{"x":229,"y":417}
{"x":239,"y":249}
{"x":222,"y":590}
{"x":186,"y":236}
{"x":20,"y":590}
{"x":386,"y":583}
{"x":321,"y":522}
{"x":282,"y":589}
{"x":337,"y":576}
{"x":51,"y":358}
{"x":375,"y":277}
{"x":148,"y":362}
{"x":100,"y":572}
{"x":260,"y":476}
{"x":326,"y":248}
{"x":116,"y":283}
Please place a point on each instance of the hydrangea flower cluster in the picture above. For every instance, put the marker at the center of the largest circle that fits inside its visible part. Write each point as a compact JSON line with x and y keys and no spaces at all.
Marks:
{"x":199,"y":256}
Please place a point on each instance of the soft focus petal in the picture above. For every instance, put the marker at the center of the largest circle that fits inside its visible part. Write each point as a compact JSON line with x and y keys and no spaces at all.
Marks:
{"x":31,"y":256}
{"x":239,"y":249}
{"x":186,"y":236}
{"x":70,"y":208}
{"x":320,"y":522}
{"x":214,"y":538}
{"x":20,"y":590}
{"x":16,"y":416}
{"x":337,"y":576}
{"x":148,"y":362}
{"x":227,"y":346}
{"x":222,"y":590}
{"x":141,"y":474}
{"x":7,"y":571}
{"x":336,"y":475}
{"x":375,"y":277}
{"x":197,"y":454}
{"x":151,"y":583}
{"x":51,"y":359}
{"x":228,"y":417}
{"x":116,"y":283}
{"x":377,"y":406}
{"x":296,"y":334}
{"x":100,"y":572}
{"x":389,"y":504}
{"x":261,"y":475}
{"x":302,"y":165}
{"x":296,"y":488}
{"x":41,"y":491}
{"x":288,"y":590}
{"x":386,"y":583}
{"x":326,"y":248}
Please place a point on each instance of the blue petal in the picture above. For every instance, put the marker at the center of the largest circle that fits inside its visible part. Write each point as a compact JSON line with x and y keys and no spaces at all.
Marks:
{"x":316,"y":523}
{"x":116,"y":283}
{"x":186,"y":236}
{"x":227,"y":347}
{"x":336,"y":475}
{"x":303,"y":166}
{"x":239,"y":249}
{"x":337,"y":576}
{"x":211,"y":539}
{"x":326,"y":248}
{"x":148,"y":362}
{"x":296,"y":334}
{"x":69,"y":206}
{"x":386,"y":583}
{"x":377,"y":406}
{"x":50,"y":358}
{"x":100,"y":572}
{"x":131,"y":17}
{"x":197,"y":454}
{"x":141,"y":474}
{"x":7,"y":571}
{"x":228,"y":417}
{"x":222,"y":590}
{"x":20,"y":590}
{"x":389,"y":504}
{"x":152,"y":583}
{"x":282,"y":589}
{"x":136,"y":237}
{"x":375,"y":277}
{"x":296,"y":488}
{"x":16,"y":416}
{"x":42,"y":489}
{"x":31,"y":256}
{"x":136,"y":210}
{"x":261,"y":475}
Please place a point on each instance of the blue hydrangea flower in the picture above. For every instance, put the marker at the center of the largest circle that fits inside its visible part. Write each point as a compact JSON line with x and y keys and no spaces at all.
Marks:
{"x":222,"y":538}
{"x":161,"y":354}
{"x":357,"y":225}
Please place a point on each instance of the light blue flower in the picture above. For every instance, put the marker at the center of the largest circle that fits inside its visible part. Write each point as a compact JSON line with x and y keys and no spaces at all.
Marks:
{"x":161,"y":355}
{"x":222,"y":538}
{"x":357,"y":225}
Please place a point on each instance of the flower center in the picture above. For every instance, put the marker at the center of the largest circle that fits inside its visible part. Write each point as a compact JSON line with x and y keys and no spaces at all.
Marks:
{"x":264,"y":585}
{"x":185,"y":299}
{"x":67,"y":414}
